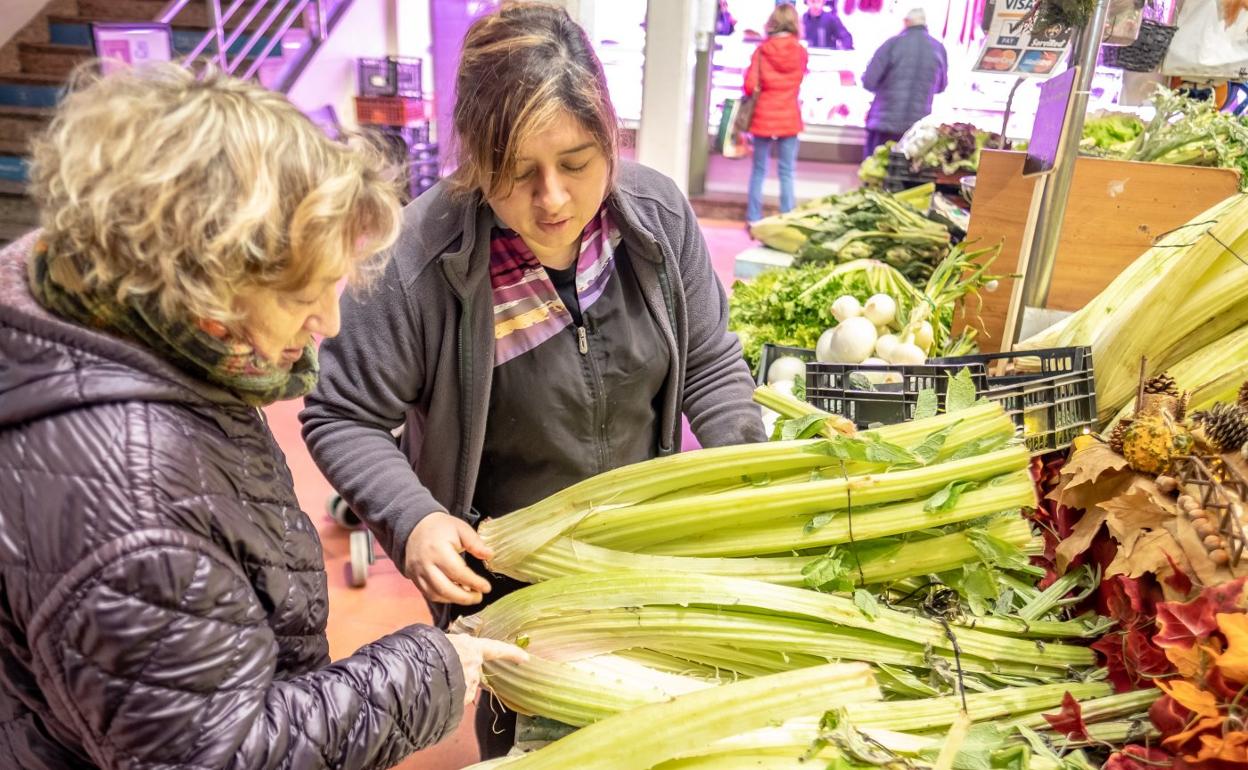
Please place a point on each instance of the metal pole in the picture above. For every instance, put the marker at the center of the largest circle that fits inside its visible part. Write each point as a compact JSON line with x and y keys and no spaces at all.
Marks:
{"x":218,"y":23}
{"x":1052,"y":213}
{"x":699,"y":141}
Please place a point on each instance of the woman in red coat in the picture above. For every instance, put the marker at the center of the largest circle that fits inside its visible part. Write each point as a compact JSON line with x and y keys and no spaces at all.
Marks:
{"x":774,"y":78}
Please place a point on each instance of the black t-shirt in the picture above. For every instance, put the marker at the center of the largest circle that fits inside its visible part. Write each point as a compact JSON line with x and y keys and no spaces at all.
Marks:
{"x":565,"y":283}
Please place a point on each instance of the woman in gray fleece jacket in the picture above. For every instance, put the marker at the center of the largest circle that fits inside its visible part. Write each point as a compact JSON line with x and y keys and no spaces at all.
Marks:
{"x":548,"y":314}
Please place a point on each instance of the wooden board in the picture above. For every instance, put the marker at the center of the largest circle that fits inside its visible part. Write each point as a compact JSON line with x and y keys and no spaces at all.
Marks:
{"x":1115,"y":211}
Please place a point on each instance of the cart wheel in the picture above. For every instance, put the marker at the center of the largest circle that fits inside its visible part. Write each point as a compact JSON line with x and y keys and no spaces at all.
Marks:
{"x":361,"y":557}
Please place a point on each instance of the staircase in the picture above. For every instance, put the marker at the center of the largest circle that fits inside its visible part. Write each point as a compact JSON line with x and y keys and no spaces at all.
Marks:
{"x":268,"y":41}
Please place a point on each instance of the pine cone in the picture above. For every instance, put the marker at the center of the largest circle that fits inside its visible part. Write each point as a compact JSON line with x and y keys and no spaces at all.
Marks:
{"x":1243,"y":395}
{"x":1117,"y":435}
{"x":1226,"y":426}
{"x":1162,"y":383}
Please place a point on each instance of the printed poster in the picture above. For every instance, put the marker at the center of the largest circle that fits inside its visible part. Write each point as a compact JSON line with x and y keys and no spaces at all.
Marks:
{"x":1012,"y":47}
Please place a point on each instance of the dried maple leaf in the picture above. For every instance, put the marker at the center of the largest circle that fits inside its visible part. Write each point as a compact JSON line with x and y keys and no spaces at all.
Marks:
{"x":1233,"y":663}
{"x":1178,"y":580}
{"x":1080,"y":538}
{"x":1069,"y":721}
{"x":1192,"y":662}
{"x":1132,"y":660}
{"x":1134,"y":511}
{"x":1233,"y":748}
{"x":1087,"y":465}
{"x":1151,"y":552}
{"x":1191,"y":697}
{"x":1183,"y":624}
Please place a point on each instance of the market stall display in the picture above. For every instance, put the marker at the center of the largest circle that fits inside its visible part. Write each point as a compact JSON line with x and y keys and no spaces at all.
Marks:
{"x":1198,"y":274}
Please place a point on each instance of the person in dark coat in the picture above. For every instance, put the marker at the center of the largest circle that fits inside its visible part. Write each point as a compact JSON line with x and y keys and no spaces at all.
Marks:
{"x":774,"y":78}
{"x":162,"y":597}
{"x":550,"y":313}
{"x":904,"y":74}
{"x":823,"y":27}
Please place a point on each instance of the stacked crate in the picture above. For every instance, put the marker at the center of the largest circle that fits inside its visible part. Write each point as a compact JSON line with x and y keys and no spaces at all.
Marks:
{"x":392,"y":101}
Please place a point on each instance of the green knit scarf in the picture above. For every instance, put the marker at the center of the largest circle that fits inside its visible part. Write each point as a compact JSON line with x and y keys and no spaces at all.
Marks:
{"x":229,"y":364}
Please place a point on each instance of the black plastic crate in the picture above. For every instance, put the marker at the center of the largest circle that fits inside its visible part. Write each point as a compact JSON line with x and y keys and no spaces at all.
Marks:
{"x":899,"y":175}
{"x":1050,"y":394}
{"x":771,"y":352}
{"x":391,"y":76}
{"x":836,"y":388}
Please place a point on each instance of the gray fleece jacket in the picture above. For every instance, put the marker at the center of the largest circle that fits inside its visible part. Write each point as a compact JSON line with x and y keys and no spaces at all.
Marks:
{"x":418,"y":351}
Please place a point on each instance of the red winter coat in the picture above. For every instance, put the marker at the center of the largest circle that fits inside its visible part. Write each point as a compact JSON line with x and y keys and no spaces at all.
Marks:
{"x":775,"y":75}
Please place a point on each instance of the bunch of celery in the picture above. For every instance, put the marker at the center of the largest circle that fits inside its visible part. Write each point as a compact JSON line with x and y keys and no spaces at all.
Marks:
{"x":1180,"y":297}
{"x":893,"y":503}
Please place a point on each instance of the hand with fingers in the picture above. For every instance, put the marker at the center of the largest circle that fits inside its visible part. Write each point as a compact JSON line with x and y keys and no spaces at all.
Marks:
{"x":474,"y":653}
{"x":434,"y":563}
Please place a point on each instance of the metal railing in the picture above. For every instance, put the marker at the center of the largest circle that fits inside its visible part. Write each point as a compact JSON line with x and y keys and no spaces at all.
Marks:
{"x":243,"y":44}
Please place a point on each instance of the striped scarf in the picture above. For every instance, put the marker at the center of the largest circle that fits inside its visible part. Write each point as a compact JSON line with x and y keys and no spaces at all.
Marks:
{"x":527,"y":307}
{"x":202,"y":349}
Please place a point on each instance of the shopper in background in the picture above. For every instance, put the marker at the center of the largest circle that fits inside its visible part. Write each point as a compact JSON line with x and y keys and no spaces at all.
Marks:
{"x":774,"y":79}
{"x":163,"y":600}
{"x":824,"y":28}
{"x":547,"y":315}
{"x":904,"y":74}
{"x":725,"y":23}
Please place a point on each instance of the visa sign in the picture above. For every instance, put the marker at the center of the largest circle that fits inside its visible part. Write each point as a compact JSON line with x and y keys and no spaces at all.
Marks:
{"x":1018,"y":5}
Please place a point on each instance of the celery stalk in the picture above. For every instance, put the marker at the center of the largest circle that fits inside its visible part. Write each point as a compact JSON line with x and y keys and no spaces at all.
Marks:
{"x":508,"y":617}
{"x":639,"y":526}
{"x":654,"y":733}
{"x":567,"y":556}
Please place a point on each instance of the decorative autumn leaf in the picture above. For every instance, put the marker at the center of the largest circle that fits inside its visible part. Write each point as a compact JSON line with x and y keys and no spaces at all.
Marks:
{"x":1234,"y":662}
{"x":1088,"y":465}
{"x":1183,"y":624}
{"x":1150,"y":553}
{"x":1134,"y":511}
{"x":1069,"y":721}
{"x":1191,"y":662}
{"x":1178,"y":580}
{"x":1127,"y":601}
{"x":1190,"y":696}
{"x":1132,"y":660}
{"x":1233,"y":748}
{"x":1177,"y":741}
{"x":1070,"y":548}
{"x":1139,"y":758}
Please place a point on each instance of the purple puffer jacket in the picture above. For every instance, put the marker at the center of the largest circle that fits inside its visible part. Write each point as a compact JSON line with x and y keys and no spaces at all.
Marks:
{"x":162,"y":597}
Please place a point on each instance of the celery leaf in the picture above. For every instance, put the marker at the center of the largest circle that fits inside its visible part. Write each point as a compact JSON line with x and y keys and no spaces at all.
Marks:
{"x":927,"y":405}
{"x":866,"y":604}
{"x":961,"y":393}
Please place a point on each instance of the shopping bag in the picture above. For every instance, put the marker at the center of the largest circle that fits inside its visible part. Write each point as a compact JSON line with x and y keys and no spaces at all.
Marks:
{"x":1207,"y":45}
{"x":727,"y":118}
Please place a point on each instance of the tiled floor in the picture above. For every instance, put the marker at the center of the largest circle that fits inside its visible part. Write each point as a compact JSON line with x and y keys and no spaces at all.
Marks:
{"x":389,"y":601}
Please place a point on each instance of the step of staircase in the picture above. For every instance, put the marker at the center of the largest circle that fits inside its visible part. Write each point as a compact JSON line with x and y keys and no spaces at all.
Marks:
{"x":76,"y":31}
{"x":51,"y":58}
{"x":19,"y":89}
{"x":19,"y":124}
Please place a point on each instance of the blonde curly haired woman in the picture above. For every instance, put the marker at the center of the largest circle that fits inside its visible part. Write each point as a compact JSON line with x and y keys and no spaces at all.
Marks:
{"x":162,"y":597}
